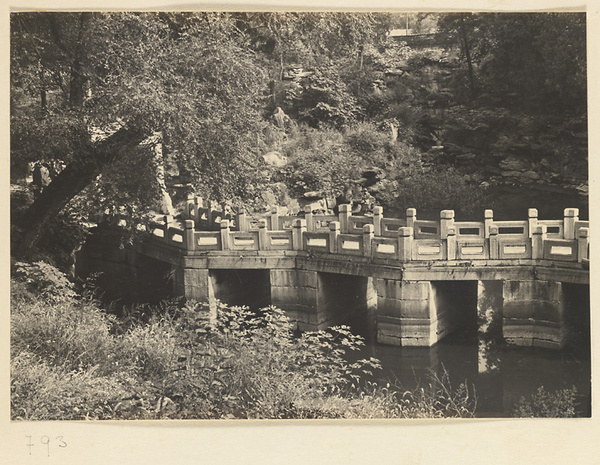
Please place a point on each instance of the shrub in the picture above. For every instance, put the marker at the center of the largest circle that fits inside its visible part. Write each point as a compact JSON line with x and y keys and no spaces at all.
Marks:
{"x":333,"y":162}
{"x":43,"y":279}
{"x":69,"y":363}
{"x":70,"y":334}
{"x":43,"y":392}
{"x":432,"y":191}
{"x":439,"y":399}
{"x":320,"y":161}
{"x":251,"y":365}
{"x":543,"y":404}
{"x":324,"y":100}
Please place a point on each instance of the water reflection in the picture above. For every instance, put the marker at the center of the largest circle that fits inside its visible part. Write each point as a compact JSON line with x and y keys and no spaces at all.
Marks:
{"x":519,"y":371}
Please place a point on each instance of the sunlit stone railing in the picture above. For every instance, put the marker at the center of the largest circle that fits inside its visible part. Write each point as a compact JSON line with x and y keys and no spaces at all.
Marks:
{"x":376,"y":237}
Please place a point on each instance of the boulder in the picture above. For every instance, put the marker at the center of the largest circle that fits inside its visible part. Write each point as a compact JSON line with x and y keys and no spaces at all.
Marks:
{"x":465,"y":157}
{"x":275,"y":159}
{"x":531,"y":175}
{"x":313,"y":195}
{"x":583,"y":189}
{"x":514,"y":164}
{"x":510,"y":174}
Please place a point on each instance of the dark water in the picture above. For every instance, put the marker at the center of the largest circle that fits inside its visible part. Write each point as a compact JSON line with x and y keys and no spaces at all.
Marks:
{"x":515,"y":371}
{"x":521,"y":371}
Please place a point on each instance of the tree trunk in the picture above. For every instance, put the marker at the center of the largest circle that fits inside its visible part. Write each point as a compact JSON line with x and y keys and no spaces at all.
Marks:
{"x":165,"y":205}
{"x":78,"y":79}
{"x":463,"y":31}
{"x":70,"y":182}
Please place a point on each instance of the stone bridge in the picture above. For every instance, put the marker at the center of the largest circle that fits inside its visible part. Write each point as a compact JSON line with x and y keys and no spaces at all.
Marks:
{"x":415,"y":280}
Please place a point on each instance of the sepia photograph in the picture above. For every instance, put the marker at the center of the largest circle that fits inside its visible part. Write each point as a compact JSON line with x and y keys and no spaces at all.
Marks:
{"x":244,"y":215}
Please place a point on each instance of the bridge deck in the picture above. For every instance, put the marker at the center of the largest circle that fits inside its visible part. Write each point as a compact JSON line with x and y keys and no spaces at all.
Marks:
{"x":321,"y":269}
{"x":371,"y":245}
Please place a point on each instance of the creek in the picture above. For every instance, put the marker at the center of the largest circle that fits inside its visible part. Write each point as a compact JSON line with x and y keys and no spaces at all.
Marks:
{"x":518,"y":372}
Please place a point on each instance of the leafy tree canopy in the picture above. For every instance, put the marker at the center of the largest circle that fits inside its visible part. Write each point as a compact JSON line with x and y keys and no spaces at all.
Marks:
{"x":535,"y":60}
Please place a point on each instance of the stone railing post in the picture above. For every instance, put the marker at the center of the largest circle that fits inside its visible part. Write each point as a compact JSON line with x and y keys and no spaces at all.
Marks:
{"x":199,"y":204}
{"x":334,"y":234}
{"x":298,"y":230}
{"x":190,"y":207}
{"x":168,"y":223}
{"x":451,"y":243}
{"x":225,"y":236}
{"x":571,"y":216}
{"x":446,"y":222}
{"x":488,"y":222}
{"x":240,"y":220}
{"x":274,"y":218}
{"x":532,"y":219}
{"x":537,"y":242}
{"x":209,"y":213}
{"x":263,"y":243}
{"x":411,"y":217}
{"x":308,"y":216}
{"x":188,"y":235}
{"x":493,"y":238}
{"x":377,"y":220}
{"x":368,"y":234}
{"x":405,"y":239}
{"x":345,"y":214}
{"x":582,"y":244}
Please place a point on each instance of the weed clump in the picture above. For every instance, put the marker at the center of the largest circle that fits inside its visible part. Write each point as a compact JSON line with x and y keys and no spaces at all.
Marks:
{"x":71,"y":360}
{"x":544,"y":404}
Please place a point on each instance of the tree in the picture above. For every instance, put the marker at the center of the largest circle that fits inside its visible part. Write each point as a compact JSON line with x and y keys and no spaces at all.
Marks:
{"x":87,"y":88}
{"x":325,"y":46}
{"x":534,"y":61}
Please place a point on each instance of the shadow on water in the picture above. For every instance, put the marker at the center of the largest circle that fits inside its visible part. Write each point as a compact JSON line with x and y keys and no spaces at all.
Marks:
{"x":518,"y":371}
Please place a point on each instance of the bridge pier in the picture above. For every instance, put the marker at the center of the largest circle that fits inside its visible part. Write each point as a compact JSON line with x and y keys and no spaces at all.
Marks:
{"x":193,"y":284}
{"x":420,"y":313}
{"x":534,"y":313}
{"x":297,"y":292}
{"x":316,"y":301}
{"x":406,"y":313}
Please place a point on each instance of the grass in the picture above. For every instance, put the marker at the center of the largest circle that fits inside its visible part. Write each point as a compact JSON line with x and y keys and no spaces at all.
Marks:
{"x":70,"y":360}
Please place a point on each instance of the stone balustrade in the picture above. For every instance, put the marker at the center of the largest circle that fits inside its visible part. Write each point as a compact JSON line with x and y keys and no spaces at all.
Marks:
{"x":411,"y":273}
{"x":374,"y":236}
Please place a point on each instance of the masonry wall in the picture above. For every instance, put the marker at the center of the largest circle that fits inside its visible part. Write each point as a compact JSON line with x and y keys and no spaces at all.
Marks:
{"x":534,"y":313}
{"x":406,"y":313}
{"x":296,"y":292}
{"x":122,"y":274}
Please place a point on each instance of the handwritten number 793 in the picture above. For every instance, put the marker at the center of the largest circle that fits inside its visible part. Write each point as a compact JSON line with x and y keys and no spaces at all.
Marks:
{"x":46,"y":442}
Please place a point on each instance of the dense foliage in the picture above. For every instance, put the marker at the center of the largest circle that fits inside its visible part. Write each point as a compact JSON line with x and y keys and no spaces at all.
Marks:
{"x":544,"y":404}
{"x":359,"y":111}
{"x":71,"y":360}
{"x":122,"y":102}
{"x":530,"y":61}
